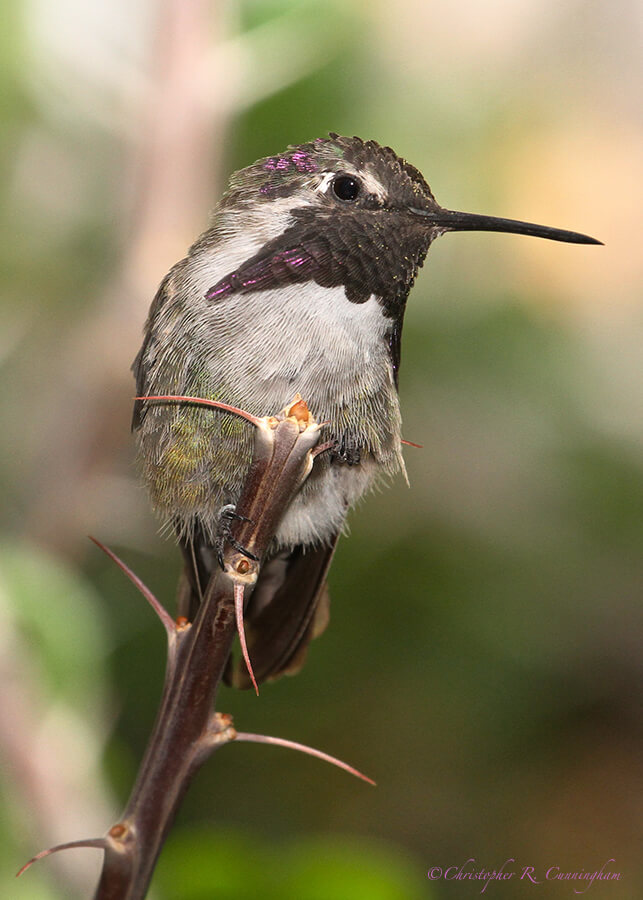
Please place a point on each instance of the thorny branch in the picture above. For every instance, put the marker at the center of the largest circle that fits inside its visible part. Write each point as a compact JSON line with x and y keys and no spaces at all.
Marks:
{"x":187,"y":730}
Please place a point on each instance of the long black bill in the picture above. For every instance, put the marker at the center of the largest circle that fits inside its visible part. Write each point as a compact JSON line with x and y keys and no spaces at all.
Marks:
{"x":451,"y":220}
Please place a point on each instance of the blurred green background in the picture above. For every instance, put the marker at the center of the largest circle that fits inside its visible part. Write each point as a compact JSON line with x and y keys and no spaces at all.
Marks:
{"x":483,"y":662}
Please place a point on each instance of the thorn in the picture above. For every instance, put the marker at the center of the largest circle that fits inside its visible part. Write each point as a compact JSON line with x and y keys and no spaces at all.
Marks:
{"x":99,"y":843}
{"x":202,"y":401}
{"x":164,"y":616}
{"x":411,"y":444}
{"x":311,"y":751}
{"x":238,"y":609}
{"x":320,"y":448}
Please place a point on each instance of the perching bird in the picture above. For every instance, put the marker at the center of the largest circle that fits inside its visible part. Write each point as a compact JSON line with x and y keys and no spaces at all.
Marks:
{"x":299,"y":286}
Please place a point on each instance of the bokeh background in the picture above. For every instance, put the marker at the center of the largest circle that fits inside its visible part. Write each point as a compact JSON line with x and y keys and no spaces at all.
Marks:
{"x":484,"y":660}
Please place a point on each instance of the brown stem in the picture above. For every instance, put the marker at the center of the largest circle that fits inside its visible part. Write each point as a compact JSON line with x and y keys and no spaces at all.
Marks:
{"x":186,"y":730}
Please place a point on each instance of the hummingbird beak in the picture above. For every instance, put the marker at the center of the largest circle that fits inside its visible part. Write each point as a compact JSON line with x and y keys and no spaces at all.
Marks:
{"x":450,"y":220}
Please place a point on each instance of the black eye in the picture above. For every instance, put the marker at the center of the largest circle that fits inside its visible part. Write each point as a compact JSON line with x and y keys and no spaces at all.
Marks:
{"x":345,"y":187}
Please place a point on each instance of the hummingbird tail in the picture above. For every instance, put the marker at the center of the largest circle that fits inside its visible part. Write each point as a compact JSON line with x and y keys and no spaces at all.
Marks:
{"x":287,"y":609}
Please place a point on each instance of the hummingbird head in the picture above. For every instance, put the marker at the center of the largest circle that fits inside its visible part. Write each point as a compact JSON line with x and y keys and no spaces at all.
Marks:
{"x":341,"y":212}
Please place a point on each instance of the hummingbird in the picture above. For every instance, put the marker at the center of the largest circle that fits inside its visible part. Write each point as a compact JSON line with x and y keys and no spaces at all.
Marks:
{"x":299,"y":285}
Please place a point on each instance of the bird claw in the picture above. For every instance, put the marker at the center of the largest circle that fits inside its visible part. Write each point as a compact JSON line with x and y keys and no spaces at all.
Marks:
{"x":229,"y":512}
{"x":227,"y":515}
{"x":347,"y":453}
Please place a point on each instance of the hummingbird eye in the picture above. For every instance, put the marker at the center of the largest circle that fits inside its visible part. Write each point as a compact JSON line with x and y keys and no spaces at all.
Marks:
{"x":345,"y":187}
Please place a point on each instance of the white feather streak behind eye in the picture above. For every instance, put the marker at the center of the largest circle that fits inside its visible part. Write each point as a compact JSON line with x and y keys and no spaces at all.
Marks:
{"x":324,"y":184}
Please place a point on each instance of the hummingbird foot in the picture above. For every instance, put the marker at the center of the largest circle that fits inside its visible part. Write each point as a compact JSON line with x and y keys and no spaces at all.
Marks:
{"x":228,"y":515}
{"x":346,"y":452}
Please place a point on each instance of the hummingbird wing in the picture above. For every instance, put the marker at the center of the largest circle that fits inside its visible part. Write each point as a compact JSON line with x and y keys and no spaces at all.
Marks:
{"x":163,"y":294}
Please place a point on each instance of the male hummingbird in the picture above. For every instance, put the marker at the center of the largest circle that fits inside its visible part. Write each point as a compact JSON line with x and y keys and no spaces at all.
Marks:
{"x":298,"y":286}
